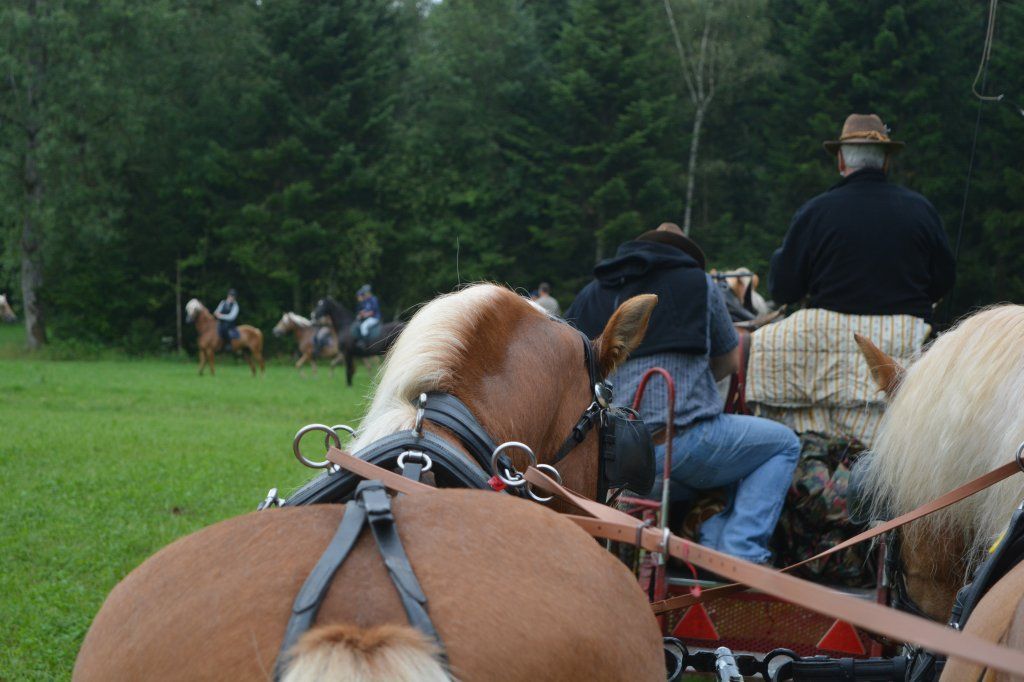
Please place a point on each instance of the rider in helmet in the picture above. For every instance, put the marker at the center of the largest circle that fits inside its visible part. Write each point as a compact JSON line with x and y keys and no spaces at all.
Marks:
{"x":367,"y":326}
{"x":227,"y":315}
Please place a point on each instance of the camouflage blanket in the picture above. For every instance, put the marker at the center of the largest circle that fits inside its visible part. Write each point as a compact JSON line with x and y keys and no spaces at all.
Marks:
{"x":815,"y":516}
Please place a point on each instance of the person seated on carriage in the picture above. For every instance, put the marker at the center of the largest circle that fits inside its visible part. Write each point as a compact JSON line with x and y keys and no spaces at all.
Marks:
{"x":870,"y":257}
{"x":866,"y":246}
{"x":227,"y":317}
{"x":691,"y":335}
{"x":367,"y":326}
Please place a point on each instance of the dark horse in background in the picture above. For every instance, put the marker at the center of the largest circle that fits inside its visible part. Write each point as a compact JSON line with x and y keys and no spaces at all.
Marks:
{"x":342,"y":319}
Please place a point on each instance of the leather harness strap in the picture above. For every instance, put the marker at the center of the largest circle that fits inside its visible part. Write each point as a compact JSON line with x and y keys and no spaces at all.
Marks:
{"x":952,"y":497}
{"x":372,"y":504}
{"x":616,"y":525}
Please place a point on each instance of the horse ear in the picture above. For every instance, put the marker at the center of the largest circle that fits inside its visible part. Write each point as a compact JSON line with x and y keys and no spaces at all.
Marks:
{"x":886,"y":372}
{"x":624,"y":332}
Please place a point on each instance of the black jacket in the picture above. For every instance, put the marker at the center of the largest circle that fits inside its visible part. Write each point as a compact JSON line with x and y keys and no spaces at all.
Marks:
{"x":680,"y":320}
{"x":865,"y":247}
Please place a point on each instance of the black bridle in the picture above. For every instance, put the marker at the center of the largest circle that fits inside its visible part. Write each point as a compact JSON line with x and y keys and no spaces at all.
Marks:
{"x":895,"y":573}
{"x":449,"y":464}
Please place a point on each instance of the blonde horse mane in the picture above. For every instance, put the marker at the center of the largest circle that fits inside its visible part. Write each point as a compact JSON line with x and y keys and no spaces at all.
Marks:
{"x":193,"y":306}
{"x":298,"y":320}
{"x":425,"y":357}
{"x":956,"y":416}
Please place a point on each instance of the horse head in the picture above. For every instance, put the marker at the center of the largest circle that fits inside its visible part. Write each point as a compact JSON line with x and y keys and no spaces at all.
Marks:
{"x":6,"y":312}
{"x":192,"y":309}
{"x":284,"y":325}
{"x":341,"y":317}
{"x":953,"y":415}
{"x":523,"y":374}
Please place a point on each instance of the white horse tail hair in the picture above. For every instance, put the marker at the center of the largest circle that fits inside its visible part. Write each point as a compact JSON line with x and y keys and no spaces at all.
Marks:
{"x":382,"y":653}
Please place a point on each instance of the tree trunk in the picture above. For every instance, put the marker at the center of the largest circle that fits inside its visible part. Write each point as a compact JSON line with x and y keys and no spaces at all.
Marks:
{"x":698,"y":122}
{"x":177,"y":304}
{"x":31,"y":239}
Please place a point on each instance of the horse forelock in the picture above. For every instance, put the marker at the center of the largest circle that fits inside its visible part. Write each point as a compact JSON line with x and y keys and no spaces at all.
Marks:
{"x":956,"y":416}
{"x":431,"y":353}
{"x":193,"y":306}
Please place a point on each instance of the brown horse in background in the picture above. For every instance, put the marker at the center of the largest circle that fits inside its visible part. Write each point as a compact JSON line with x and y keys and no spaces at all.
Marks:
{"x":250,"y":338}
{"x":305,"y":336}
{"x":515,"y":592}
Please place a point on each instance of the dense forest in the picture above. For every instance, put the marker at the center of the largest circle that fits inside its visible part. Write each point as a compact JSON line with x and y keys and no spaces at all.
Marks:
{"x":297,"y":148}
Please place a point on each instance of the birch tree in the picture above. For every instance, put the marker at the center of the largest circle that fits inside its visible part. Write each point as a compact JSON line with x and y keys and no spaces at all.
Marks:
{"x":718,"y":45}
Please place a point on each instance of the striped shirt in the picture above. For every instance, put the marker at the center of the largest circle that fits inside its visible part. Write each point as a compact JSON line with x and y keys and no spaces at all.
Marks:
{"x":697,"y":395}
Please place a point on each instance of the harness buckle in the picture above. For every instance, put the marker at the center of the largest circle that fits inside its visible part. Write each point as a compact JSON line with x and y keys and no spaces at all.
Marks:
{"x":272,"y":500}
{"x":421,"y":404}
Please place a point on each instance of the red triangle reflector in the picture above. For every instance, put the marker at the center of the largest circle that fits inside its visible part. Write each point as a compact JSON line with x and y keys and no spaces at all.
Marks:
{"x":696,"y":624}
{"x":842,"y":638}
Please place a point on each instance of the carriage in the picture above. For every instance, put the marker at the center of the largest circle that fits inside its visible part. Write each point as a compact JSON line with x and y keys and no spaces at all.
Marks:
{"x":454,"y":441}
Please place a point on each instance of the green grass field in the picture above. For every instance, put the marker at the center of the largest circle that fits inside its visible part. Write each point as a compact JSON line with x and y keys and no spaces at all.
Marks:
{"x":103,"y":462}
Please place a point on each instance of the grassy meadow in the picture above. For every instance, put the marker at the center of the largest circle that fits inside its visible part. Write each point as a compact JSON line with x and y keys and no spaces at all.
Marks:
{"x":104,"y":461}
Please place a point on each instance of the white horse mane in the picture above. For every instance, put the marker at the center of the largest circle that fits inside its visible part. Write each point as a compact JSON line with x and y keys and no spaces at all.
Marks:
{"x":956,"y":416}
{"x":298,"y":320}
{"x":3,"y":299}
{"x":193,"y":306}
{"x":428,"y":350}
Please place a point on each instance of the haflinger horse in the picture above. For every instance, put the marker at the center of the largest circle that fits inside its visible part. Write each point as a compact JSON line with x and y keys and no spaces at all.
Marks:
{"x":953,"y":415}
{"x":250,"y":338}
{"x":514,"y":591}
{"x":6,"y":311}
{"x":342,"y":319}
{"x":305,"y":335}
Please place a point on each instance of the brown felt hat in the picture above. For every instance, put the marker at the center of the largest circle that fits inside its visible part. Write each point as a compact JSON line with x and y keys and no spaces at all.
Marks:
{"x":672,"y":234}
{"x":864,"y":129}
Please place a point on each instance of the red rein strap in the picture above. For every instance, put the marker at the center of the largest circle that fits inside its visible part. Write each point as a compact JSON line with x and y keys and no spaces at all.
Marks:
{"x":615,"y":525}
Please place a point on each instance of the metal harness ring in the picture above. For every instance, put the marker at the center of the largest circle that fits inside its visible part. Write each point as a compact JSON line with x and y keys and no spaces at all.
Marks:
{"x":514,"y":479}
{"x":422,"y":456}
{"x":553,"y":472}
{"x":338,"y":427}
{"x":1020,"y":451}
{"x":331,"y":435}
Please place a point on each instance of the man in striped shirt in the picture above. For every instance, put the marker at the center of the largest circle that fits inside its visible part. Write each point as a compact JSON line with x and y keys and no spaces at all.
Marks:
{"x":691,"y":335}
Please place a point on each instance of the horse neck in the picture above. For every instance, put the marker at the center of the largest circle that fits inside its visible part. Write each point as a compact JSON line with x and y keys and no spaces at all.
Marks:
{"x":341,"y":315}
{"x":204,"y":320}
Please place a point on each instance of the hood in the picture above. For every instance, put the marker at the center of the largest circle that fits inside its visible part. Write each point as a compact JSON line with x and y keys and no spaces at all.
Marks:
{"x":638,"y":259}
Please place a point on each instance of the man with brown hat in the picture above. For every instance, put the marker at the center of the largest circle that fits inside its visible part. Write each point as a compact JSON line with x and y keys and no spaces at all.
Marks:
{"x":691,"y":335}
{"x":864,"y":247}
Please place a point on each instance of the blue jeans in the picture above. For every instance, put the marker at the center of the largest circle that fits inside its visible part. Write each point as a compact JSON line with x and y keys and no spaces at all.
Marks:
{"x":754,"y":459}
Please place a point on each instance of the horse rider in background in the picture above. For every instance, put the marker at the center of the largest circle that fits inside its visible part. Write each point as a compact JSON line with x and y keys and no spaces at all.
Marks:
{"x":367,"y":326}
{"x":227,"y":317}
{"x":546,"y":301}
{"x":870,"y":257}
{"x":691,"y":335}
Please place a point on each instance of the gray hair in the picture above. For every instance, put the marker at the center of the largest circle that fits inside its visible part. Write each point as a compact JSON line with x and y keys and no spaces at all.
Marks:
{"x":859,"y":156}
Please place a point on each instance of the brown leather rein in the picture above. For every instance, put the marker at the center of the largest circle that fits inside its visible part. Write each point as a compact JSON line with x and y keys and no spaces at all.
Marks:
{"x":612,"y":524}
